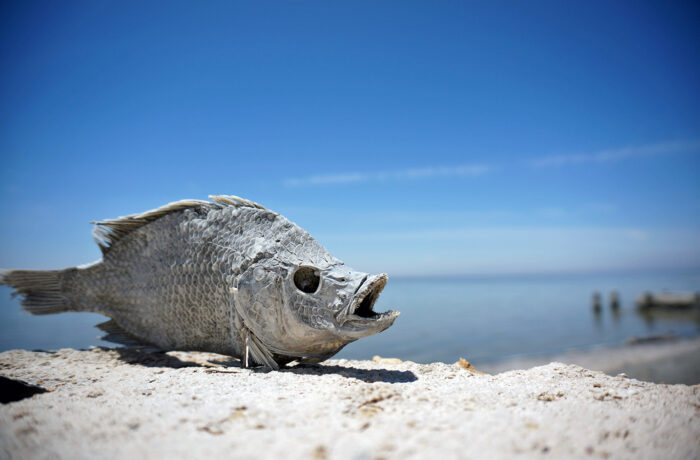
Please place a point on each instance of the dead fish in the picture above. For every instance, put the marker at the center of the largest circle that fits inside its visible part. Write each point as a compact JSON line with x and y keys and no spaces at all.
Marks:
{"x":226,"y":276}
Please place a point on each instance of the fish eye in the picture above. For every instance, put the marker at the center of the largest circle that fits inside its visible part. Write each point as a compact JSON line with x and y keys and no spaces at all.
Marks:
{"x":307,"y":279}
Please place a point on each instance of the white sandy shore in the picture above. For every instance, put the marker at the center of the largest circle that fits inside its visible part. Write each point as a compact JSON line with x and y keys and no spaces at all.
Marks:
{"x":134,"y":404}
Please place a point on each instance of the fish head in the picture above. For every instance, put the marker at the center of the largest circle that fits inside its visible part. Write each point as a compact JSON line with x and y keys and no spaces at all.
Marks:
{"x":310,"y":307}
{"x":337,"y":301}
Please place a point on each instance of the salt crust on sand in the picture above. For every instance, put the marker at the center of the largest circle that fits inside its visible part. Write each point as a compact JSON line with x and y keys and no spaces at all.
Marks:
{"x":131,"y":404}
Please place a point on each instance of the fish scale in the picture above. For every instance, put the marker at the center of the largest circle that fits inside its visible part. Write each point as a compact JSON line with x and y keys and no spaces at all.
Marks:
{"x":227,"y":276}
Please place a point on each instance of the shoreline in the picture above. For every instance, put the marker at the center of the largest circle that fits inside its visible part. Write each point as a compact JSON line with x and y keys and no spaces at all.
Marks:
{"x":675,"y":360}
{"x":669,"y":360}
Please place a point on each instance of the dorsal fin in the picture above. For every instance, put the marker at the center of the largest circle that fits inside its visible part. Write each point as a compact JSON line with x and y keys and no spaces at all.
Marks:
{"x":109,"y":231}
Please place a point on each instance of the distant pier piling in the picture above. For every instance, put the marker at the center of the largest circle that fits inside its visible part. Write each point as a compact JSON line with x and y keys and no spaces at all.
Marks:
{"x":614,"y":300}
{"x":597,"y":302}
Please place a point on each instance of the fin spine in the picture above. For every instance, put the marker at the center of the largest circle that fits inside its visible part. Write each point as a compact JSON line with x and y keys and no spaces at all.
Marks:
{"x":236,"y":201}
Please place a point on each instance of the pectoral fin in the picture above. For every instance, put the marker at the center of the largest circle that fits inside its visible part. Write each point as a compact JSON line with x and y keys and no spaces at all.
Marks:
{"x":117,"y":334}
{"x":260,"y":353}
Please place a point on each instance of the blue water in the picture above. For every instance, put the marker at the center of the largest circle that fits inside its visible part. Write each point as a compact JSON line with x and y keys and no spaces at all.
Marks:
{"x":443,"y":319}
{"x":489,"y":319}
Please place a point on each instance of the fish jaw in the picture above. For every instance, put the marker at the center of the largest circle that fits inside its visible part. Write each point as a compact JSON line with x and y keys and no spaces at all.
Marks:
{"x":358,"y":319}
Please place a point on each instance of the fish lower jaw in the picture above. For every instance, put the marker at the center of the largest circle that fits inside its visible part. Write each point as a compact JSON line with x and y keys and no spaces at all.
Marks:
{"x":374,"y":317}
{"x":356,"y":327}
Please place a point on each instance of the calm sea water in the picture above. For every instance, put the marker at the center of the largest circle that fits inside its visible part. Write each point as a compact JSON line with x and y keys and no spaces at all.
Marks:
{"x":444,"y":319}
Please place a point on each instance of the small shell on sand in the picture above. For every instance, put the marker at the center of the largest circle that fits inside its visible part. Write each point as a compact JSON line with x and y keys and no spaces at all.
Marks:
{"x":464,"y":364}
{"x":379,"y":359}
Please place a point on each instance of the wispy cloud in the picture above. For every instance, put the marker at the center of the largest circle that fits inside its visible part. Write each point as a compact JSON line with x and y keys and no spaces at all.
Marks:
{"x":398,"y":175}
{"x":472,"y":170}
{"x":587,"y":209}
{"x":501,"y":235}
{"x":605,"y":156}
{"x":519,"y":249}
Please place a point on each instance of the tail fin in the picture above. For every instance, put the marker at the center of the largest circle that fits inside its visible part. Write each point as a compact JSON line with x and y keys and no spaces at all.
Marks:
{"x":42,"y":290}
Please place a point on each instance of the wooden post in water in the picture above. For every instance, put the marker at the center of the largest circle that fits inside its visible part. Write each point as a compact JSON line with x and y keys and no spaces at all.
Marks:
{"x":597,"y":304}
{"x":614,"y":300}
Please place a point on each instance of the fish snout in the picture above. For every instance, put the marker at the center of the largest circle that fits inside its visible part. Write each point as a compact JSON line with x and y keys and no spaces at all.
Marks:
{"x":359,"y":318}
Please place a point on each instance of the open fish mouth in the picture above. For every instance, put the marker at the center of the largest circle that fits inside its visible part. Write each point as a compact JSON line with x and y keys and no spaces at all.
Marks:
{"x":360,"y":312}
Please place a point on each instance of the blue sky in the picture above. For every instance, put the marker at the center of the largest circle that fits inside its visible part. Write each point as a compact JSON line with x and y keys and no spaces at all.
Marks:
{"x":414,"y":138}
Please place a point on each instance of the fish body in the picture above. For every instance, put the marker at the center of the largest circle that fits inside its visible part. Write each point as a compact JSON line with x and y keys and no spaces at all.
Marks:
{"x":226,"y":276}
